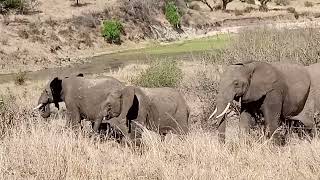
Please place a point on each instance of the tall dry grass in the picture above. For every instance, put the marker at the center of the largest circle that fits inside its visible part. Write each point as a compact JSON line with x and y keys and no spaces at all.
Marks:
{"x":272,"y":45}
{"x":32,"y":148}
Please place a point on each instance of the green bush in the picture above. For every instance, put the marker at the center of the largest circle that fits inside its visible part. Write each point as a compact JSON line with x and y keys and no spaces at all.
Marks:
{"x":172,"y":14}
{"x":111,"y":31}
{"x":161,"y":73}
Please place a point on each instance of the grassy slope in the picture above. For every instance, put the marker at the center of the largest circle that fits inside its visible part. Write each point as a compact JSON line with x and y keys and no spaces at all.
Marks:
{"x":196,"y":45}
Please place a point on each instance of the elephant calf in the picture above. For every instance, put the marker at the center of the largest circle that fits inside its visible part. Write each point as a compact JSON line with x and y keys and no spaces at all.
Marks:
{"x":162,"y":110}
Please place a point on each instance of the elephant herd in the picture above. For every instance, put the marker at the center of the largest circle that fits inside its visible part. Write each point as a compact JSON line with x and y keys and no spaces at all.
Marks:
{"x":278,"y":92}
{"x":127,"y":109}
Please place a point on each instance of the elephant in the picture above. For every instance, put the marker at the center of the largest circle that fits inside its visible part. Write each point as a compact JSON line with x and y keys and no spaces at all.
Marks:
{"x":162,"y":110}
{"x":84,"y":99}
{"x":312,"y":105}
{"x":276,"y":91}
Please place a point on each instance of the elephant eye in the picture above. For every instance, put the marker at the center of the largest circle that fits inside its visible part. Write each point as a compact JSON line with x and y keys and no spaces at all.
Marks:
{"x":236,"y":83}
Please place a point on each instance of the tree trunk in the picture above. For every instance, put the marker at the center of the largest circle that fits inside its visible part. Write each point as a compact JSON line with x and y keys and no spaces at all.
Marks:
{"x":206,"y":3}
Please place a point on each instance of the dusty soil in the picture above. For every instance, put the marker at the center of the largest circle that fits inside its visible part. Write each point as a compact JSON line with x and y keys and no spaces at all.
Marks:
{"x":59,"y":33}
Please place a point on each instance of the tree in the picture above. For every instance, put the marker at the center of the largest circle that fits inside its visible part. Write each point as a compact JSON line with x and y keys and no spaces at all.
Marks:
{"x":206,"y":3}
{"x":263,"y":6}
{"x":224,"y":4}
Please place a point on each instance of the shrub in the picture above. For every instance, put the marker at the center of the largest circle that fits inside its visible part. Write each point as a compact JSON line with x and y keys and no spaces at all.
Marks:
{"x":111,"y":31}
{"x":20,"y":78}
{"x":291,"y":10}
{"x":248,"y":9}
{"x":172,"y":14}
{"x":161,"y":73}
{"x":308,"y":4}
{"x":263,"y":5}
{"x":143,"y":11}
{"x":282,"y":2}
{"x":238,"y":12}
{"x":20,"y":6}
{"x":251,"y":1}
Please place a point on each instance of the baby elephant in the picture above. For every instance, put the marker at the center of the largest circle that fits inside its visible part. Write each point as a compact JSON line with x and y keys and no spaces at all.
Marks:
{"x":162,"y":110}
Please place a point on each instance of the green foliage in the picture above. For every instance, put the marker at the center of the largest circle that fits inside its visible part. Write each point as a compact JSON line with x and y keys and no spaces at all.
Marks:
{"x":111,"y":31}
{"x":161,"y":73}
{"x":172,"y":14}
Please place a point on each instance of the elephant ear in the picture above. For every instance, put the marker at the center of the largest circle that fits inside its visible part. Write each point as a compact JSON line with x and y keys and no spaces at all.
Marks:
{"x":263,"y":78}
{"x":56,"y":88}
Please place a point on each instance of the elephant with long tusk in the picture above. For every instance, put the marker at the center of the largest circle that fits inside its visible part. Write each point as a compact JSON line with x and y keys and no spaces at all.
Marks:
{"x":277,"y":91}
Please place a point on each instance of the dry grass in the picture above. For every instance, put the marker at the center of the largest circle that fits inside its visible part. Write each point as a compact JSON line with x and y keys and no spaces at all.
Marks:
{"x":271,"y":45}
{"x":32,"y":148}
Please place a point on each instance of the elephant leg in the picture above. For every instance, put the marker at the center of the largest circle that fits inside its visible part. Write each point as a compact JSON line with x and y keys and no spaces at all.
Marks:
{"x":306,"y":116}
{"x":271,"y":110}
{"x":245,"y":123}
{"x":222,"y":131}
{"x":136,"y":134}
{"x":73,"y":121}
{"x":96,"y":125}
{"x":120,"y":125}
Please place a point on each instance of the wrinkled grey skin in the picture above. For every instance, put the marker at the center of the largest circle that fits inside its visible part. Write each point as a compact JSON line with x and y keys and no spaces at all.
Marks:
{"x":162,"y":110}
{"x":276,"y":91}
{"x":84,"y":99}
{"x":312,"y":105}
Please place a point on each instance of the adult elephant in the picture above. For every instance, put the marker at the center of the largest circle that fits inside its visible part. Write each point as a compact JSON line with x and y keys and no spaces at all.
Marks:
{"x":277,"y":91}
{"x":162,"y":110}
{"x":84,"y":99}
{"x":312,"y":105}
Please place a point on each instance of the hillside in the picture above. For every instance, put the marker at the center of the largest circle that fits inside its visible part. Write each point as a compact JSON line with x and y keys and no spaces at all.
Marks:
{"x":58,"y":33}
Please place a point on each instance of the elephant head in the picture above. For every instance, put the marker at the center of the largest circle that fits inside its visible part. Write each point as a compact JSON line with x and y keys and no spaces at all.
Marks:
{"x":51,"y":94}
{"x":135,"y":111}
{"x":247,"y":82}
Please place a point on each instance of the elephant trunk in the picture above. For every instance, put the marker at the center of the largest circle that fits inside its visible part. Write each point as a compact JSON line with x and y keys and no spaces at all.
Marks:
{"x":223,"y":104}
{"x":45,"y":111}
{"x":43,"y":105}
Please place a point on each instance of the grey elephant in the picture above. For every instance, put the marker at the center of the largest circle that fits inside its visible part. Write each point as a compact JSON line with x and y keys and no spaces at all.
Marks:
{"x":162,"y":110}
{"x":312,"y":105}
{"x":276,"y":91}
{"x":84,"y":99}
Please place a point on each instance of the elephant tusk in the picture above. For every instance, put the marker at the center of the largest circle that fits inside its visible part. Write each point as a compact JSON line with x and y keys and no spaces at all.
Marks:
{"x":214,"y":112}
{"x":224,"y":111}
{"x":38,"y":107}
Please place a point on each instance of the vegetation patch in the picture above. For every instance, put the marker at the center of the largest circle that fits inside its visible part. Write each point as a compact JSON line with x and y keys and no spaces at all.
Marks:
{"x":173,"y":14}
{"x":272,"y":45}
{"x":111,"y":31}
{"x":21,"y":78}
{"x":20,"y":6}
{"x":161,"y":73}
